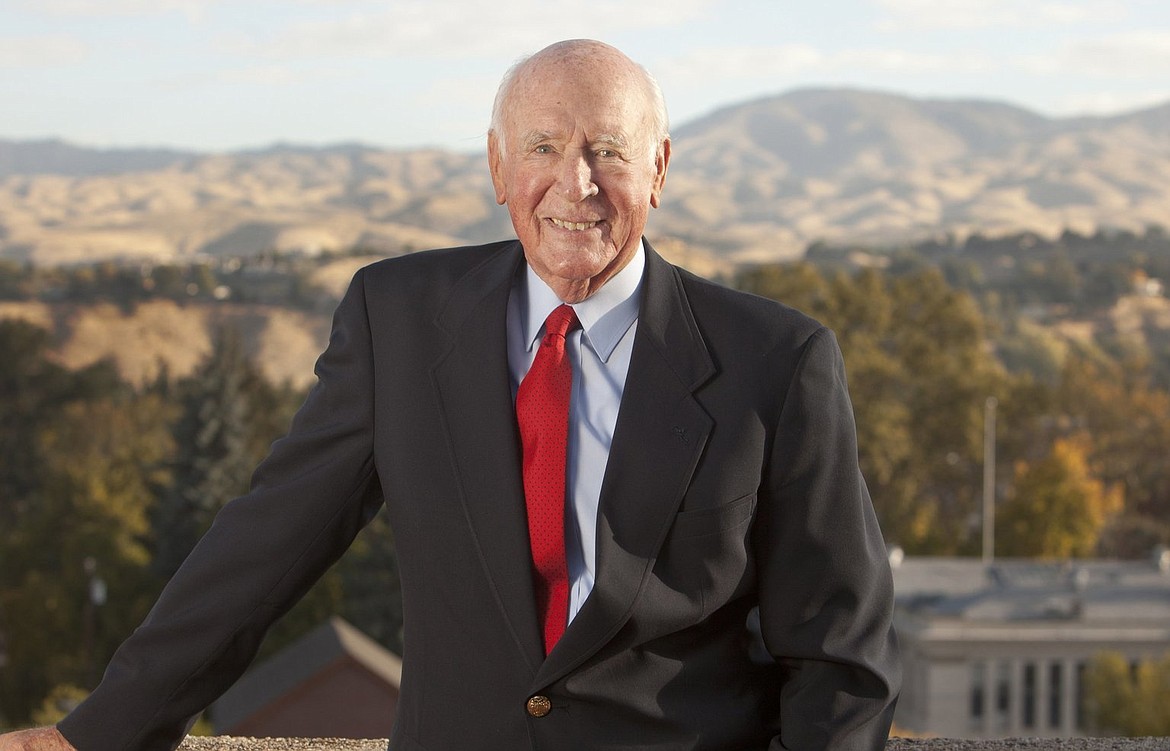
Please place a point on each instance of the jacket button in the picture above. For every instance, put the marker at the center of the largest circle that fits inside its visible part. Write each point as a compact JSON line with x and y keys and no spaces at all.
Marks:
{"x":539,"y":706}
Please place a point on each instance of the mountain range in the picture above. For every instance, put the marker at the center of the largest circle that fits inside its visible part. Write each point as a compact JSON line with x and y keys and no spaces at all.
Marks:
{"x":757,"y":181}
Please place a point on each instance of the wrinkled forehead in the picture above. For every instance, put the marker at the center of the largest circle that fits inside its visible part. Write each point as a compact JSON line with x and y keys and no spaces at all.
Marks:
{"x":603,"y":99}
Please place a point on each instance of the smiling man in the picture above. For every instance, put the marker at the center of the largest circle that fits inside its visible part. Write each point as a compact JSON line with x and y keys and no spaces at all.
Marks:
{"x":626,"y":500}
{"x":578,"y":152}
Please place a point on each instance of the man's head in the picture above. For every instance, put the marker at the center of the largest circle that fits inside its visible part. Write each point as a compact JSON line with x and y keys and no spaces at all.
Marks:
{"x":578,"y":150}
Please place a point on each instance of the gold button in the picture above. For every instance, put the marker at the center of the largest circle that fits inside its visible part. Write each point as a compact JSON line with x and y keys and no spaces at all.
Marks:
{"x":539,"y":706}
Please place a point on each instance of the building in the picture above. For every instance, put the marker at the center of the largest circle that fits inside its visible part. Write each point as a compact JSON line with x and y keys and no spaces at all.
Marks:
{"x":1000,"y":651}
{"x":335,"y":682}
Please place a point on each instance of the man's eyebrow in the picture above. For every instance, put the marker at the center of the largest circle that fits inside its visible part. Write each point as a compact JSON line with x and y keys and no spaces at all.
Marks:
{"x":612,"y":139}
{"x":535,"y":138}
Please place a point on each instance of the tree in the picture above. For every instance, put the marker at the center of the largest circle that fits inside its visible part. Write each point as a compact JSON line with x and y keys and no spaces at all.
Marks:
{"x":939,"y":338}
{"x":1058,"y":508}
{"x":1129,"y":419}
{"x":101,"y":463}
{"x":61,"y":701}
{"x":213,"y":462}
{"x":920,"y":370}
{"x":1128,"y":699}
{"x":1133,"y":536}
{"x":35,"y":390}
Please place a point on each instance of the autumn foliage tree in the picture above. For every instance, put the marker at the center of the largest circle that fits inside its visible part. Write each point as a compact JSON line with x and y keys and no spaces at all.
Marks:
{"x":1128,"y":700}
{"x":1058,"y":507}
{"x":97,"y":470}
{"x":920,"y":370}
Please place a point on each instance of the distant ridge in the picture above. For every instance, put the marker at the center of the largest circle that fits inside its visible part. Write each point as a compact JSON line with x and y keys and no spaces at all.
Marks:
{"x":751,"y":182}
{"x":819,"y":129}
{"x":849,"y":165}
{"x":56,"y":157}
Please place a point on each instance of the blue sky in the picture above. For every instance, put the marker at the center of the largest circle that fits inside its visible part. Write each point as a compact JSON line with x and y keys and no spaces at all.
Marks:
{"x":227,"y":74}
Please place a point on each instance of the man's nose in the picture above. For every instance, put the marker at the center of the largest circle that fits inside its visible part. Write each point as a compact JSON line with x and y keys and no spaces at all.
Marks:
{"x":577,"y":177}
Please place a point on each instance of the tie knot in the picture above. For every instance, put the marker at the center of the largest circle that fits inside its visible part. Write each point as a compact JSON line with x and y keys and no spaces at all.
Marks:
{"x":561,"y":321}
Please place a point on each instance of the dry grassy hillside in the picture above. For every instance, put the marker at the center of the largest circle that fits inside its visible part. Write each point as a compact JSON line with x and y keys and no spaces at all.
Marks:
{"x":284,"y":343}
{"x":757,"y":181}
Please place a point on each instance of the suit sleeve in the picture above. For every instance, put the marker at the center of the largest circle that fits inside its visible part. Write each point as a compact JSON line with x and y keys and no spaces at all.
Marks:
{"x":308,"y":500}
{"x":826,"y":592}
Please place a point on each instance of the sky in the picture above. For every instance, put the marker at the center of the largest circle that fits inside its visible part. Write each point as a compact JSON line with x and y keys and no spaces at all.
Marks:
{"x":214,"y":75}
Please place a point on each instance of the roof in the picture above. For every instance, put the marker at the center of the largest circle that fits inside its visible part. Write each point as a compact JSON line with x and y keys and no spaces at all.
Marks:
{"x":331,"y":641}
{"x":1016,"y":590}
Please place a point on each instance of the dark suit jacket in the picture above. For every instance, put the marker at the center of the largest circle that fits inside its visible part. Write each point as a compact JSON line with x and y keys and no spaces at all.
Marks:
{"x":732,"y":483}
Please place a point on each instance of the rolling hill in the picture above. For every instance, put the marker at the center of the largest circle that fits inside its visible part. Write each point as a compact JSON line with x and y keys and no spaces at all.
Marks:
{"x":756,"y":181}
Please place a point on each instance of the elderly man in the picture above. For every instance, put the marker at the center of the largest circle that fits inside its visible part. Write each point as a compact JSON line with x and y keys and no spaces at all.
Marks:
{"x":626,"y":500}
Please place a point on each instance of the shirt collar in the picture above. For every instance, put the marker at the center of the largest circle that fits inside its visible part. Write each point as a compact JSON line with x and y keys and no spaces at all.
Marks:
{"x":605,"y":316}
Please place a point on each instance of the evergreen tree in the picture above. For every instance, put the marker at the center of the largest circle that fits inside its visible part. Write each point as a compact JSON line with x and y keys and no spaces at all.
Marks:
{"x":212,"y":463}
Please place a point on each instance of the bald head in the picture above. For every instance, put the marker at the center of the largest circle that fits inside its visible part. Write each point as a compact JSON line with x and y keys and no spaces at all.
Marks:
{"x":578,"y":152}
{"x":576,"y":57}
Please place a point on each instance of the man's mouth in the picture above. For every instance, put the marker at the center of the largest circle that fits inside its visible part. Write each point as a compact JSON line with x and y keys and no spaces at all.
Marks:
{"x":574,"y":226}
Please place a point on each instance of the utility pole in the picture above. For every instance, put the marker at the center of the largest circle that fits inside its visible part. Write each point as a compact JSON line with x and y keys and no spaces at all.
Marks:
{"x":989,"y":480}
{"x":95,"y":597}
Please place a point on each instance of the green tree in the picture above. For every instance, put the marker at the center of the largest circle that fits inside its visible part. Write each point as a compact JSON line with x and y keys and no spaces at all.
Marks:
{"x":101,"y":462}
{"x":61,"y":701}
{"x":920,"y":370}
{"x":35,"y":390}
{"x":1128,"y":416}
{"x":947,"y":373}
{"x":369,"y":578}
{"x":213,"y":437}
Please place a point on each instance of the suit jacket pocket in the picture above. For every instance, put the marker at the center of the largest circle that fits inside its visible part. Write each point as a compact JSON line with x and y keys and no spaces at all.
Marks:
{"x":712,"y":521}
{"x":706,"y":559}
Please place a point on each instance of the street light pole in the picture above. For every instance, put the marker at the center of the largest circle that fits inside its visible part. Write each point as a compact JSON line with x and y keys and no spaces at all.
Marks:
{"x":989,"y":480}
{"x":95,"y":597}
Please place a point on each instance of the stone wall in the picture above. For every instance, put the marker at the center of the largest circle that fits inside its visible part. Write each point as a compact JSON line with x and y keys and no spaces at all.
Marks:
{"x":224,"y":743}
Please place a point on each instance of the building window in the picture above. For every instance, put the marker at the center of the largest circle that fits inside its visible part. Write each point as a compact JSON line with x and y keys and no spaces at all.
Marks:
{"x":1003,"y":695}
{"x":1080,"y":695}
{"x":978,"y":699}
{"x":1029,"y":695}
{"x":1055,"y":695}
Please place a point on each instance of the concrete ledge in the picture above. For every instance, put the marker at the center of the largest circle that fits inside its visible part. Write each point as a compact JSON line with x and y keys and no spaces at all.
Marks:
{"x":227,"y":743}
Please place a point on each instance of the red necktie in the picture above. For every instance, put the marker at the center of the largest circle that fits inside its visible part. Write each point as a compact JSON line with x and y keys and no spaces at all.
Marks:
{"x":542,"y":410}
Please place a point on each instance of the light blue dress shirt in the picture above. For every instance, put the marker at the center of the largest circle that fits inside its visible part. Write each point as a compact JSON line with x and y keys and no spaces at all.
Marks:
{"x":600,"y":354}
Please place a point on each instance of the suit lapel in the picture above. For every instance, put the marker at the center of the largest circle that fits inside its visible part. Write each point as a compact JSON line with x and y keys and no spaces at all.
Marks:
{"x":661,"y":432}
{"x":471,"y":379}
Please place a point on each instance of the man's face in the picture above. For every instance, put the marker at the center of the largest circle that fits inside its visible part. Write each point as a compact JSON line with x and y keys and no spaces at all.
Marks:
{"x":579,"y":169}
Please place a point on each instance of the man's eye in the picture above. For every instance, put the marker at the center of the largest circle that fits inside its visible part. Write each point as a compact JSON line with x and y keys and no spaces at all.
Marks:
{"x":544,"y":149}
{"x":606,"y":153}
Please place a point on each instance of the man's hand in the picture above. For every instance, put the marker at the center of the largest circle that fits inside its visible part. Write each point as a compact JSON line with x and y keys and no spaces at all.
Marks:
{"x":36,"y":739}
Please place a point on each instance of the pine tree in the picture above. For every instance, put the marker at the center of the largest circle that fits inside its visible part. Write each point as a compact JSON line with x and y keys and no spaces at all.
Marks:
{"x":213,"y":462}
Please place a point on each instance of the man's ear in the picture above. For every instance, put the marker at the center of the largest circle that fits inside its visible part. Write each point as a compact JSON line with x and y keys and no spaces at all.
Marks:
{"x":661,"y":162}
{"x":496,"y":167}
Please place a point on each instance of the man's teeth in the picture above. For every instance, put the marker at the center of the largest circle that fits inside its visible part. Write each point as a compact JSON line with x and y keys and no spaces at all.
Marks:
{"x":578,"y":226}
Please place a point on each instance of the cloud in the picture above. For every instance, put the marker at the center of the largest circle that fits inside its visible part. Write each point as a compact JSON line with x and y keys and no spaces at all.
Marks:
{"x":795,"y":60}
{"x":917,"y":15}
{"x":194,"y":9}
{"x":422,"y":28}
{"x":1141,"y":54}
{"x":1110,"y":102}
{"x":263,"y":75}
{"x":42,"y":52}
